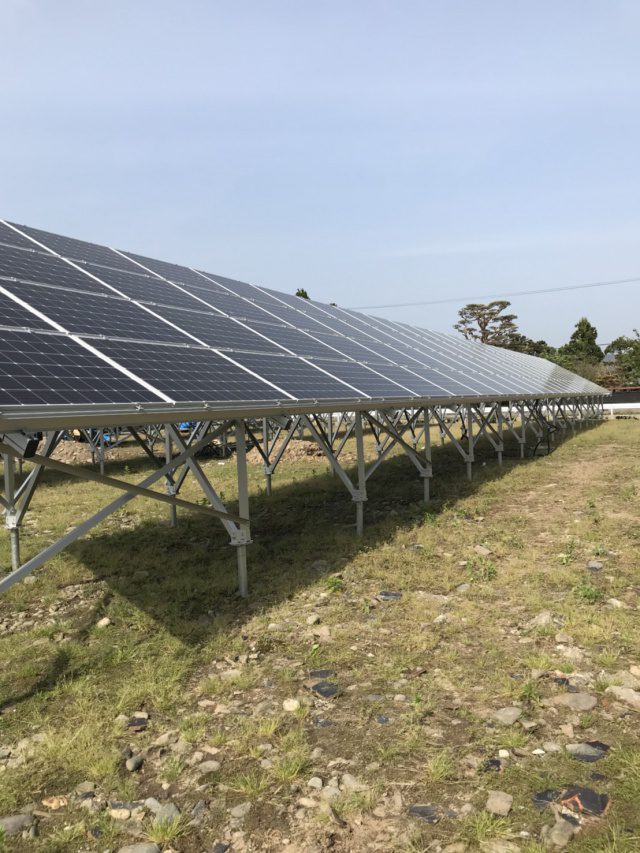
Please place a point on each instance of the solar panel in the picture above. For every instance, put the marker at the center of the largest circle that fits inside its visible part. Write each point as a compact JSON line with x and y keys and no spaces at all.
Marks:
{"x":15,"y":316}
{"x":143,"y":288}
{"x":149,"y":331}
{"x":27,"y":265}
{"x":79,"y":250}
{"x":299,"y":378}
{"x":189,"y":374}
{"x":217,"y":331}
{"x":94,"y":314}
{"x":51,"y":369}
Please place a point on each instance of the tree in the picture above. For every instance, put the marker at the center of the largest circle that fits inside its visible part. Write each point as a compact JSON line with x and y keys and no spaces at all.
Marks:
{"x":582,"y":346}
{"x":627,"y":363}
{"x":302,"y":293}
{"x":521,"y":343}
{"x":487,"y":323}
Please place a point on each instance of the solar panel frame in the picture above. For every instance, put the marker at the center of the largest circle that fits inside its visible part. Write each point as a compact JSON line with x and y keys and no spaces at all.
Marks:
{"x":223,"y":338}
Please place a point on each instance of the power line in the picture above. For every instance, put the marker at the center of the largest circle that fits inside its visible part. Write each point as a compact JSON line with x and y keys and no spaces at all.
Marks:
{"x":498,"y":295}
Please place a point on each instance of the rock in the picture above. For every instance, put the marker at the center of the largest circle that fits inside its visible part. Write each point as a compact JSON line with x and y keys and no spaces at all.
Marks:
{"x":85,"y":788}
{"x":326,"y":689}
{"x":499,"y":845}
{"x":308,"y":803}
{"x":387,"y":595}
{"x":231,"y":674}
{"x":558,"y":836}
{"x":16,"y":823}
{"x":590,"y":751}
{"x":427,"y":812}
{"x":167,"y":738}
{"x":55,"y":803}
{"x":241,"y":811}
{"x":291,"y":705}
{"x":462,"y":589}
{"x":152,"y":804}
{"x":142,"y":847}
{"x":313,"y":619}
{"x":499,"y":803}
{"x":595,"y":566}
{"x":626,"y":679}
{"x":315,"y":782}
{"x":208,"y":767}
{"x":576,"y":701}
{"x":551,"y":746}
{"x":456,"y":847}
{"x":134,"y":763}
{"x":481,"y":551}
{"x":167,"y":812}
{"x":625,"y":694}
{"x":350,"y":783}
{"x":442,"y":619}
{"x":120,"y":813}
{"x":221,"y":847}
{"x":507,"y":716}
{"x":104,"y":622}
{"x":616,"y":603}
{"x":634,"y":670}
{"x":542,"y":620}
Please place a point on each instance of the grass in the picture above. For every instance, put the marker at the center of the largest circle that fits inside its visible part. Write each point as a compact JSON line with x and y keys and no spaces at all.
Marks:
{"x":177,"y":631}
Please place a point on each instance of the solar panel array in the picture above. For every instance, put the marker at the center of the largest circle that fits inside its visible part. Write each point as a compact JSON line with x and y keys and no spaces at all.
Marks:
{"x":84,"y":324}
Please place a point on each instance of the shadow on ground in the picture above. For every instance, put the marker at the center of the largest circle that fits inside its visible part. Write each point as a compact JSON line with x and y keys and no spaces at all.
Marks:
{"x":185,"y":577}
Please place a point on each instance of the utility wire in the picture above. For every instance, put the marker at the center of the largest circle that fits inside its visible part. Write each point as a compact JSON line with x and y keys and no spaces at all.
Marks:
{"x":497,"y":295}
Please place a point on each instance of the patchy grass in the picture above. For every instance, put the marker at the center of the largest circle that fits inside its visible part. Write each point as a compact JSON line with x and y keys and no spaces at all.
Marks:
{"x":413,"y":720}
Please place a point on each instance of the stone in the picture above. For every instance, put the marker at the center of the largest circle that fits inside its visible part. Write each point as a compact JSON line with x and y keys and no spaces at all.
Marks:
{"x":542,"y":620}
{"x":308,"y":803}
{"x":241,"y":811}
{"x":481,"y":551}
{"x":142,"y":847}
{"x":315,"y":782}
{"x":456,"y":847}
{"x":167,"y":812}
{"x":85,"y":788}
{"x":120,"y":813}
{"x":387,"y":595}
{"x":14,"y":824}
{"x":55,"y":803}
{"x":152,"y":804}
{"x":231,"y":674}
{"x":499,"y":803}
{"x":616,"y":603}
{"x":207,"y":767}
{"x":499,"y":845}
{"x":626,"y":679}
{"x":134,"y":763}
{"x":558,"y":836}
{"x":221,"y":847}
{"x":104,"y":622}
{"x":507,"y":716}
{"x":313,"y":619}
{"x":590,"y":751}
{"x":291,"y":705}
{"x":167,"y":738}
{"x":627,"y":695}
{"x":442,"y":619}
{"x":350,"y":783}
{"x":426,"y":812}
{"x":326,"y":689}
{"x":576,"y":701}
{"x":595,"y":565}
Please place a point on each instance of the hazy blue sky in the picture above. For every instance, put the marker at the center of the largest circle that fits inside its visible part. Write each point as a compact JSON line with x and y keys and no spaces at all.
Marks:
{"x":372,"y":152}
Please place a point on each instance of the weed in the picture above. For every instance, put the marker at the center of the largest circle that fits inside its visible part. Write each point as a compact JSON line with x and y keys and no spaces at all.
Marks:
{"x":250,"y":784}
{"x":585,"y":590}
{"x":166,"y":831}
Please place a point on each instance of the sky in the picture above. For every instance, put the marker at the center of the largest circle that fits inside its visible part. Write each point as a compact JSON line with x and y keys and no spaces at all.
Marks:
{"x":371,"y":152}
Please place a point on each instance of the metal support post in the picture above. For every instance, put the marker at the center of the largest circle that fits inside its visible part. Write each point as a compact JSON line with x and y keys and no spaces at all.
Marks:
{"x":470,"y":455}
{"x":428,"y":470}
{"x":11,"y":519}
{"x":243,"y":538}
{"x":500,"y":436}
{"x":168,"y":455}
{"x":265,"y":448}
{"x":362,"y":480}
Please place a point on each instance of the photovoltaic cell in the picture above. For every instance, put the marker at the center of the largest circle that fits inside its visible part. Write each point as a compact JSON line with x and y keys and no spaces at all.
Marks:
{"x":79,"y":250}
{"x":173,"y":272}
{"x":360,"y":356}
{"x":17,"y":317}
{"x":143,"y":288}
{"x":9,"y":237}
{"x":295,"y":376}
{"x":51,"y":369}
{"x":190,"y":374}
{"x":217,"y":331}
{"x":27,"y":265}
{"x":364,"y":379}
{"x":89,"y":314}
